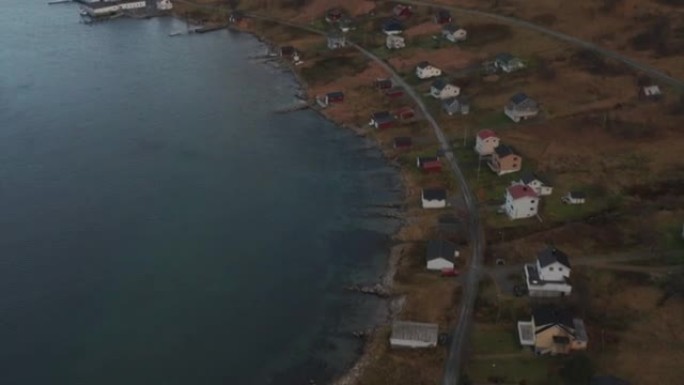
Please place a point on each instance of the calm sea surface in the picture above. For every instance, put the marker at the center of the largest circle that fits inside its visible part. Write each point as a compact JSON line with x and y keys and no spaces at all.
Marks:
{"x":160,"y":225}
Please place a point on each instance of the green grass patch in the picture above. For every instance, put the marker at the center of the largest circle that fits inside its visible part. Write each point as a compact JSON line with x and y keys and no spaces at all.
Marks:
{"x":533,"y":370}
{"x":553,"y":209}
{"x":333,"y":67}
{"x":493,"y":119}
{"x":494,"y":339}
{"x":487,"y":33}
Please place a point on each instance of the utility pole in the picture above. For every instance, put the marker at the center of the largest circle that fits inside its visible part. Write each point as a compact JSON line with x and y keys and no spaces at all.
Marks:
{"x":465,"y":136}
{"x":479,"y":166}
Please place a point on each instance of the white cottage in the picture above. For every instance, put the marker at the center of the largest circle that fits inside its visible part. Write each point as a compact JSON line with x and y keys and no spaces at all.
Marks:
{"x":395,"y":42}
{"x":521,"y":202}
{"x":486,"y":141}
{"x":454,"y":33}
{"x":540,"y":185}
{"x":574,"y":198}
{"x":549,"y":276}
{"x":414,"y":334}
{"x":440,"y":255}
{"x":425,"y":70}
{"x":434,"y":198}
{"x":442,"y":89}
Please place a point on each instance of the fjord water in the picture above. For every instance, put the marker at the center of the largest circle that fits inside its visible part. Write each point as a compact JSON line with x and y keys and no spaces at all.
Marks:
{"x":159,"y":224}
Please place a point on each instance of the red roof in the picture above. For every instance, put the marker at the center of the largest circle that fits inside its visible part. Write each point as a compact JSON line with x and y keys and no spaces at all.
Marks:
{"x":484,"y":134}
{"x":518,"y":191}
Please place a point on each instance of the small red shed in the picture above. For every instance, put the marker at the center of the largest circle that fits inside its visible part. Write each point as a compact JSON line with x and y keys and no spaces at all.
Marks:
{"x":402,"y":11}
{"x":394,"y":92}
{"x":429,"y":164}
{"x":405,"y":113}
{"x":334,"y":97}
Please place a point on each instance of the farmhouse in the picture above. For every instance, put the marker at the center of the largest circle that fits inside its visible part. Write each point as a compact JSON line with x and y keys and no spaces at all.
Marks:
{"x":505,"y":160}
{"x":392,"y":27}
{"x":413,"y":334}
{"x":429,"y":163}
{"x":336,"y":40}
{"x":395,"y":42}
{"x":508,"y":63}
{"x":574,"y":198}
{"x":442,"y":17}
{"x":454,"y":33}
{"x":442,"y":89}
{"x":549,"y":276}
{"x":425,"y":70}
{"x":521,"y":202}
{"x":440,"y":255}
{"x":536,"y":183}
{"x":486,"y":141}
{"x":402,"y":11}
{"x":433,"y":198}
{"x":382,"y":120}
{"x":552,"y":331}
{"x":403,"y":143}
{"x":457,"y":105}
{"x":521,"y":107}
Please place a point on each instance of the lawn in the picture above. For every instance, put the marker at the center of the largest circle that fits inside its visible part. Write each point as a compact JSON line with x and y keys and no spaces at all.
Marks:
{"x":555,"y":210}
{"x":494,"y":339}
{"x":512,"y":370}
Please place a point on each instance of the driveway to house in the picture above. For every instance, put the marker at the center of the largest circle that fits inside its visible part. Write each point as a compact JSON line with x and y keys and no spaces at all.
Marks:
{"x":652,"y":71}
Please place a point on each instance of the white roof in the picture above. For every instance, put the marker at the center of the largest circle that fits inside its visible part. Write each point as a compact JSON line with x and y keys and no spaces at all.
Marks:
{"x":415,"y":331}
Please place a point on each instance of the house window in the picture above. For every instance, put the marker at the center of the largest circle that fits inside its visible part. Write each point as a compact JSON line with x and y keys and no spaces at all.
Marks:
{"x":560,"y":269}
{"x":515,"y":165}
{"x":550,"y":268}
{"x":531,"y":208}
{"x":532,"y":201}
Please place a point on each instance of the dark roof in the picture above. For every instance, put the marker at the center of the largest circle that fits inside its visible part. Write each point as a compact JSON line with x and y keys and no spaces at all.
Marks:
{"x":551,"y":315}
{"x":551,"y":255}
{"x":577,"y":195}
{"x":443,"y":13}
{"x":403,"y":141}
{"x":434,"y":194}
{"x":440,"y":249}
{"x":458,"y":100}
{"x":426,"y":159}
{"x":423,"y":64}
{"x":504,"y":150}
{"x":336,"y":94}
{"x":392,"y":25}
{"x":607,"y":380}
{"x":287,"y":50}
{"x":382,"y":117}
{"x":451,"y":28}
{"x":439,"y":84}
{"x":528,"y":177}
{"x":519,"y":98}
{"x":504,"y":57}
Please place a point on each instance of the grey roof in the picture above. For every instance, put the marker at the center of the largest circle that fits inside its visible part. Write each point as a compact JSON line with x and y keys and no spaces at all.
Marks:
{"x":504,"y":57}
{"x":381,"y":115}
{"x":451,"y":28}
{"x":392,"y":25}
{"x":551,"y":255}
{"x":434,"y":194}
{"x":440,"y":249}
{"x":504,"y":150}
{"x":580,"y":330}
{"x":423,"y":64}
{"x":335,"y":94}
{"x":415,"y":331}
{"x":607,"y":380}
{"x":456,"y":101}
{"x":519,"y":98}
{"x":529,"y":177}
{"x":551,"y":315}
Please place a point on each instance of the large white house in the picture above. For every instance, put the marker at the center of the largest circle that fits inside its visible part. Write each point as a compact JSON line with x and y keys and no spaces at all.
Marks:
{"x":486,"y":141}
{"x":106,"y":8}
{"x":440,"y":255}
{"x":549,"y":276}
{"x":521,"y":202}
{"x":425,"y":70}
{"x":442,"y":89}
{"x":414,"y":334}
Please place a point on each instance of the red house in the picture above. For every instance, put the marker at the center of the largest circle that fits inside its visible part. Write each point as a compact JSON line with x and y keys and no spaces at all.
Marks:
{"x":383,"y":84}
{"x":443,"y":17}
{"x":402,"y":11}
{"x":403,"y":143}
{"x":429,"y":163}
{"x":394,"y":92}
{"x":382,"y":120}
{"x":405,"y":113}
{"x":334,"y":97}
{"x":287,"y":51}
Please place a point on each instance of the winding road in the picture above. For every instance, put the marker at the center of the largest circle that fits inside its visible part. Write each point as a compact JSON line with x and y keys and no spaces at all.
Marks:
{"x":651,"y":71}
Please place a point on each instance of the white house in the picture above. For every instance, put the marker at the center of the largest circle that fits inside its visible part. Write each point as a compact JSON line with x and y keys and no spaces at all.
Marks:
{"x":521,"y":107}
{"x":508,"y":63}
{"x":536,"y":183}
{"x":454,"y":33}
{"x":486,"y":141}
{"x":441,"y":89}
{"x":395,"y":42}
{"x":414,"y":334}
{"x":425,"y":70}
{"x":106,"y":8}
{"x":440,"y":255}
{"x":457,"y":105}
{"x":164,"y":5}
{"x":549,"y":276}
{"x":521,"y":202}
{"x":434,"y":198}
{"x":574,"y":198}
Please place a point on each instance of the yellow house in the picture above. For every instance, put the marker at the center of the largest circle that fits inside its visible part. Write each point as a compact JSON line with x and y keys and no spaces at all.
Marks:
{"x":552,"y":331}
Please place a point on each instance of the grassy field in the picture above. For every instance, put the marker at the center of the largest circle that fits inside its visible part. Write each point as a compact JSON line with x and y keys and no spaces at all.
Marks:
{"x":494,"y":339}
{"x":512,"y":370}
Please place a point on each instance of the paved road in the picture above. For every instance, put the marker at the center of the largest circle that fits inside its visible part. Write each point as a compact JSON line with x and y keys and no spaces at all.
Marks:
{"x":651,"y":71}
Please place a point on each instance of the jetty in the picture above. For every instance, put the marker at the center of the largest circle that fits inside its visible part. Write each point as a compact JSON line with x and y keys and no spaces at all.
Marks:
{"x":53,"y":2}
{"x":301,"y":105}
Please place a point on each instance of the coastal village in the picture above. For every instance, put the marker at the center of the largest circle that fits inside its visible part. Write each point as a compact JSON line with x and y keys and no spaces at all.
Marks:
{"x":568,"y":234}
